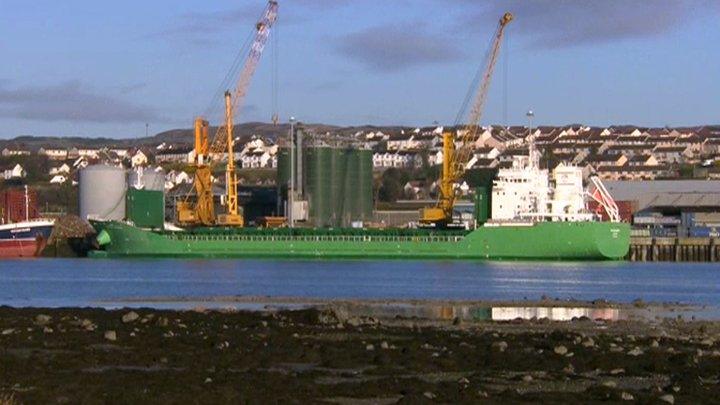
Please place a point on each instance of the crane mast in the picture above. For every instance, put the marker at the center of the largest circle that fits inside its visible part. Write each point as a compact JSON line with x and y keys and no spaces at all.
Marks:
{"x":456,"y":156}
{"x":202,"y":212}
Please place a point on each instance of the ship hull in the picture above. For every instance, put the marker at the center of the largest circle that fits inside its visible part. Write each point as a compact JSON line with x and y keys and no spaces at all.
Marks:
{"x":542,"y":241}
{"x":24,"y":239}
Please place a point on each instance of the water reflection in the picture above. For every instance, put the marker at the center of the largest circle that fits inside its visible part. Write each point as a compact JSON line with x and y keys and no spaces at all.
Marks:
{"x":555,"y":313}
{"x":483,"y":313}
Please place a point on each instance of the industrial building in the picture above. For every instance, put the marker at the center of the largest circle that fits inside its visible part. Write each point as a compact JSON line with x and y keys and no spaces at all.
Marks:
{"x":670,"y":208}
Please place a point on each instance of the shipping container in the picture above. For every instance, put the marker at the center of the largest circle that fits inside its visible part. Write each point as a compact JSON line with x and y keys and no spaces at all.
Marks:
{"x":660,"y":232}
{"x":687,"y":218}
{"x":703,"y":232}
{"x":656,"y":220}
{"x":644,"y":232}
{"x":707,"y":217}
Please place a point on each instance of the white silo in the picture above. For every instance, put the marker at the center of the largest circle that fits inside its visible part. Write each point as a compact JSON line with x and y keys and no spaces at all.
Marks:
{"x":102,"y":192}
{"x":147,"y":179}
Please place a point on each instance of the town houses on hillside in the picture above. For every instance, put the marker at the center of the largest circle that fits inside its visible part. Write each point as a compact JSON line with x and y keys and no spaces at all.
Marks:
{"x":619,"y":152}
{"x":614,"y":152}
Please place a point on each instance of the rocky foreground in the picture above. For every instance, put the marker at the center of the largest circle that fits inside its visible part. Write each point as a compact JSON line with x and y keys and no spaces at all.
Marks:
{"x":323,"y":356}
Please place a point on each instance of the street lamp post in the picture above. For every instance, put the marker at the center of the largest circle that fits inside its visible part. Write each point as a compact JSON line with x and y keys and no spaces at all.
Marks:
{"x":532,"y":154}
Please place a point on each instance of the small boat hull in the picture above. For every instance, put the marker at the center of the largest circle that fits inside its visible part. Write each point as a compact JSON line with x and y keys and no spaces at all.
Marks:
{"x":24,"y":239}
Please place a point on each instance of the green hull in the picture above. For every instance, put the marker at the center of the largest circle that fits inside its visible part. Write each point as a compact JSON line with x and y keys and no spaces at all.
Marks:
{"x":542,"y":241}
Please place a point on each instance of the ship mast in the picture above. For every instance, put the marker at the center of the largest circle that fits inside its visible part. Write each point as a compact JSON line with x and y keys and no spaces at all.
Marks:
{"x":27,"y":204}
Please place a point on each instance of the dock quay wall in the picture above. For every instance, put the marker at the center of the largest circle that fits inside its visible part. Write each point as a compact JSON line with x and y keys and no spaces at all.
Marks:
{"x":647,"y":249}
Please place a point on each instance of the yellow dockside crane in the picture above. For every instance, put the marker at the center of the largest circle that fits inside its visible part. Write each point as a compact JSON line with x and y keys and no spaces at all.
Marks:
{"x":456,"y":158}
{"x":202,"y":211}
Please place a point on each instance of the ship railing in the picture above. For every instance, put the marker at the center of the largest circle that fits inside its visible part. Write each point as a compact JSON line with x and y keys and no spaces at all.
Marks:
{"x":577,"y":217}
{"x":319,"y":238}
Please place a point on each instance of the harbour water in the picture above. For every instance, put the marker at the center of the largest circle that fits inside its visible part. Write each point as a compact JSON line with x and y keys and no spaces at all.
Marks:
{"x":78,"y":282}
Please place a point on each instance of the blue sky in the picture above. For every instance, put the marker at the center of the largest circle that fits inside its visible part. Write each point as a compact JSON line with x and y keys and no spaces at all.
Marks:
{"x":100,"y":68}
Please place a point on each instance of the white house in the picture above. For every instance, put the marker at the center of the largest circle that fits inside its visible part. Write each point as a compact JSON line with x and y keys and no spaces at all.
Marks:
{"x":258,"y":153}
{"x":54,"y":154}
{"x":121,"y":153}
{"x":15,"y":152}
{"x":64,"y":169}
{"x":256,"y":159}
{"x":139,"y":159}
{"x":89,"y":153}
{"x":406,"y":159}
{"x":435,"y":158}
{"x":17,"y":172}
{"x":382,"y":160}
{"x":58,"y":179}
{"x":175,"y":154}
{"x":487,"y":152}
{"x":173,"y":178}
{"x":401,"y":141}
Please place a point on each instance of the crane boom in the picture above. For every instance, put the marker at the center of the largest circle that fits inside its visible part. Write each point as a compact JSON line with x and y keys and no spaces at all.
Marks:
{"x":262,"y":32}
{"x":202,"y":212}
{"x":457,"y":155}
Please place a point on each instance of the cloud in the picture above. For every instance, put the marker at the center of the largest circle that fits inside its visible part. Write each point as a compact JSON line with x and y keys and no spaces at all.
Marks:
{"x":393,"y":48}
{"x":69,"y":101}
{"x":132,"y":88}
{"x":198,"y":27}
{"x":563,"y":23}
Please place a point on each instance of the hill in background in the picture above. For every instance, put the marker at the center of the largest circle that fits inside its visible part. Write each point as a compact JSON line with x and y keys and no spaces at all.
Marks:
{"x":178,"y":136}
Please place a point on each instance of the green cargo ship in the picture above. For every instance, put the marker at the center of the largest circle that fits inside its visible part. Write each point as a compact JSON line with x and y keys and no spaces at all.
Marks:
{"x":530,"y":241}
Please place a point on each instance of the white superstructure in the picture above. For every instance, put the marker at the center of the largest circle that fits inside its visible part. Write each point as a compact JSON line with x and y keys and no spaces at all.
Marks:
{"x":526,"y":192}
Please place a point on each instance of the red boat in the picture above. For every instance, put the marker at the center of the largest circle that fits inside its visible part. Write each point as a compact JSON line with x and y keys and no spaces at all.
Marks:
{"x":24,"y":239}
{"x":22,"y":234}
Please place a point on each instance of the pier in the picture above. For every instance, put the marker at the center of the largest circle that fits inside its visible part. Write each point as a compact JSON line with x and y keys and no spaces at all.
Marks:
{"x":646,"y":249}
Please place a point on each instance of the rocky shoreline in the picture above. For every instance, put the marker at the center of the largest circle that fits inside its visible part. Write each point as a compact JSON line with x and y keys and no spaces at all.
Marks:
{"x":324,"y":355}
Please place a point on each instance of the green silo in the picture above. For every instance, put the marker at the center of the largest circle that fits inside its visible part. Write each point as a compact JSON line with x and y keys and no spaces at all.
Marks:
{"x":350,"y":185}
{"x":365,"y":185}
{"x":282,"y":179}
{"x":338,"y":167}
{"x":338,"y":185}
{"x":318,"y":180}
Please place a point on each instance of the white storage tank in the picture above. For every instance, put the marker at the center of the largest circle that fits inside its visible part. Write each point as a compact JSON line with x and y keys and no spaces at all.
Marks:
{"x":147,"y":179}
{"x":102,"y":192}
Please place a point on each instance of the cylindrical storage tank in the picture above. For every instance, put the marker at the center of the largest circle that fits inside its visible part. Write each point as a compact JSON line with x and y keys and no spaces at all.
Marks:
{"x":102,"y":192}
{"x":318,"y":172}
{"x":338,"y":164}
{"x":365,"y":184}
{"x":351,"y":203}
{"x":150,"y":180}
{"x":283,"y":167}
